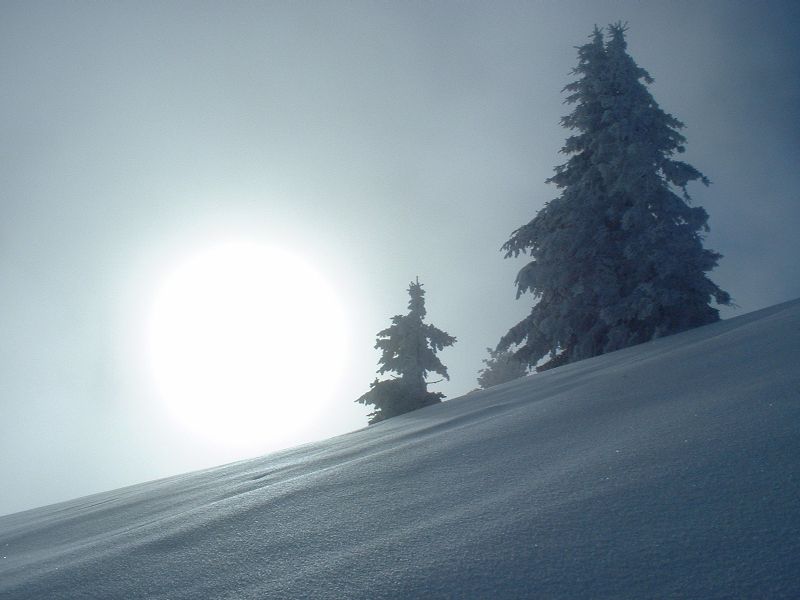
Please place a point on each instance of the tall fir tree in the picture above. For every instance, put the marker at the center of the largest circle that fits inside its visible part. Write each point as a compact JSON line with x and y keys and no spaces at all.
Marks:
{"x":408,"y":349}
{"x":618,"y":257}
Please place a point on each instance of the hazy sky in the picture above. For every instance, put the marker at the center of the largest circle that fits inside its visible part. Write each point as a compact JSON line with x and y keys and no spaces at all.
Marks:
{"x":379,"y":141}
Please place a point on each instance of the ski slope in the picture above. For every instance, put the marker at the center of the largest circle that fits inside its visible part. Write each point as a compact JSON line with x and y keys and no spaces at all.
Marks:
{"x":670,"y":469}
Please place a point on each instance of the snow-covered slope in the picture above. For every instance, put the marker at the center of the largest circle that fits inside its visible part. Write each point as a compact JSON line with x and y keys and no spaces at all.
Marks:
{"x":671,"y":469}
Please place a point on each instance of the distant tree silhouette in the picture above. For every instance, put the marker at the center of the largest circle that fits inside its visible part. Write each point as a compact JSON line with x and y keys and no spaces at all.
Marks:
{"x":501,"y":366}
{"x":408,"y":349}
{"x":618,"y":257}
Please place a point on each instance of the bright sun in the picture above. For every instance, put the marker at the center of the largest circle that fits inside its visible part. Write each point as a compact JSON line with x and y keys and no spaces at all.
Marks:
{"x":246,"y":342}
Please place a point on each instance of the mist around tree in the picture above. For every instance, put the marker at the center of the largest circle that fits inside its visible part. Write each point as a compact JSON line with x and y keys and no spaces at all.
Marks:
{"x":409,"y":348}
{"x":617,"y":259}
{"x":501,"y":366}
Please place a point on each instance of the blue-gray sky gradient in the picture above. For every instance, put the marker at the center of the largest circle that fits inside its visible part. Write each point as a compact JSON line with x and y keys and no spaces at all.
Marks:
{"x":380,"y":140}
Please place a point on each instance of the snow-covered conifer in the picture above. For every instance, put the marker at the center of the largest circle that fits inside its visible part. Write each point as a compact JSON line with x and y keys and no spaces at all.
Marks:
{"x":501,"y":366}
{"x":408,"y":348}
{"x":617,"y":257}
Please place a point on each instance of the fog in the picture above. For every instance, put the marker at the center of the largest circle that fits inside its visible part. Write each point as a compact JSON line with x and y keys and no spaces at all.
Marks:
{"x":378,"y":141}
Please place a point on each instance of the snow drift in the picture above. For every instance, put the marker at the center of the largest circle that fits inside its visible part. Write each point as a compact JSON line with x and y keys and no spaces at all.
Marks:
{"x":668,"y":469}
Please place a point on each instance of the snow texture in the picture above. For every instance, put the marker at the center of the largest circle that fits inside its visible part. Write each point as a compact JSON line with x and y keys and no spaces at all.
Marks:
{"x":668,"y":469}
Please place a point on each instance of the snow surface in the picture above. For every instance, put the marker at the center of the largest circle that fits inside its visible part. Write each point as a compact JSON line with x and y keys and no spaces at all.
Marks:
{"x":664,"y":470}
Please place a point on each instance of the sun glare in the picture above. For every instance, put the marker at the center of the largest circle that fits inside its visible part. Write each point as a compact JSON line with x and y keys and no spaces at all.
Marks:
{"x":246,"y":343}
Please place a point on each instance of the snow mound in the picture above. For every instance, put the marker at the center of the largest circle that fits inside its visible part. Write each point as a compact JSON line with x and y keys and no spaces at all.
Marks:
{"x":665,"y":470}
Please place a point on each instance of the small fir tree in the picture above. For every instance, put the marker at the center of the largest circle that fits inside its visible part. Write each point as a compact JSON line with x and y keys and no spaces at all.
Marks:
{"x":501,"y":366}
{"x":408,"y":349}
{"x":618,"y":257}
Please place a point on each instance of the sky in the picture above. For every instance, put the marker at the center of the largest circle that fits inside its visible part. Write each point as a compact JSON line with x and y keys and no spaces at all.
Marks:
{"x":377,"y":141}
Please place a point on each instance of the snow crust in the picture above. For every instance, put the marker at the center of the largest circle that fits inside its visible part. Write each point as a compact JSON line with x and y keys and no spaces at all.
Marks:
{"x":668,"y":469}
